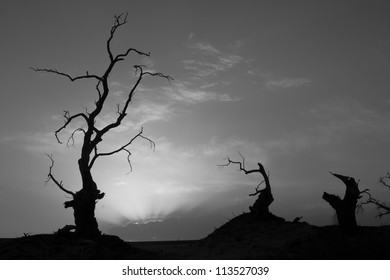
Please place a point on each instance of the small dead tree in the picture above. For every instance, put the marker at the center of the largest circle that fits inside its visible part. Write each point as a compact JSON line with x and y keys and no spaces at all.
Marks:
{"x":83,"y":201}
{"x":265,"y":197}
{"x":345,"y":208}
{"x":383,"y":207}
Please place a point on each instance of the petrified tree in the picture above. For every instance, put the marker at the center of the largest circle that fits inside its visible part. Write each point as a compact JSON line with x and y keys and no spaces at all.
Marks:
{"x":345,"y":208}
{"x":83,"y":201}
{"x":265,"y":197}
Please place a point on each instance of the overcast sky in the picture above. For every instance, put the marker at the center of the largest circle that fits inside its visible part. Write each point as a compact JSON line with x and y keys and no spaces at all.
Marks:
{"x":300,"y":86}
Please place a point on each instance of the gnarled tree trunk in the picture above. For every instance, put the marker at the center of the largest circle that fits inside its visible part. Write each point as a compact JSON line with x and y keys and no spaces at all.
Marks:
{"x":83,"y":205}
{"x":345,"y":208}
{"x":265,"y":197}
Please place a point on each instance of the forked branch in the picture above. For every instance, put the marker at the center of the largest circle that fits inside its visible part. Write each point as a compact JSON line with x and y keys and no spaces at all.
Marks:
{"x":123,"y":148}
{"x":70,"y":141}
{"x":382,"y":207}
{"x":385,"y":180}
{"x":50,"y":177}
{"x":68,"y":120}
{"x":257,"y":190}
{"x":122,"y":111}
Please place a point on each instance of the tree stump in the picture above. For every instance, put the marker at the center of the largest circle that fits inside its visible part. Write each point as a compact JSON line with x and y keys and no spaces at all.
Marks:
{"x":345,"y":208}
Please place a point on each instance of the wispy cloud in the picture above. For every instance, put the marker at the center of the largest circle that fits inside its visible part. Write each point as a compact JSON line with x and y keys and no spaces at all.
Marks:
{"x":287,"y":83}
{"x":182,"y":92}
{"x":36,"y":143}
{"x":142,"y":112}
{"x":201,"y":82}
{"x":227,"y":98}
{"x":204,"y":47}
{"x":116,"y":84}
{"x":199,"y":46}
{"x":273,"y":81}
{"x":152,"y":111}
{"x":185,"y":92}
{"x":207,"y":60}
{"x":203,"y":69}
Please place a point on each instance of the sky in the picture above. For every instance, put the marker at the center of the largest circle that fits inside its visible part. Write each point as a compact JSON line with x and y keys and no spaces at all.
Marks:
{"x":300,"y":86}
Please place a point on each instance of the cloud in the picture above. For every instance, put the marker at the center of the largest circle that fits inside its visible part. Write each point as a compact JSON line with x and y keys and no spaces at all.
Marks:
{"x":185,"y":92}
{"x":228,"y":98}
{"x":37,"y":143}
{"x":182,"y":92}
{"x":151,"y":111}
{"x":273,"y":81}
{"x":287,"y":83}
{"x":117,"y":93}
{"x":203,"y":69}
{"x":116,"y":84}
{"x":143,"y":111}
{"x":149,"y":63}
{"x":207,"y":60}
{"x":204,"y":48}
{"x":228,"y":61}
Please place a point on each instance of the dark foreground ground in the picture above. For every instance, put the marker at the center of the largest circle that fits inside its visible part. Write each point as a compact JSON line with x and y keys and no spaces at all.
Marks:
{"x":244,"y":237}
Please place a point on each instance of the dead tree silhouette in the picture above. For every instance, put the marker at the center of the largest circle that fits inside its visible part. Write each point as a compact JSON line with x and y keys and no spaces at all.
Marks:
{"x":383,"y":207}
{"x":83,"y":201}
{"x":345,"y":208}
{"x":265,"y":197}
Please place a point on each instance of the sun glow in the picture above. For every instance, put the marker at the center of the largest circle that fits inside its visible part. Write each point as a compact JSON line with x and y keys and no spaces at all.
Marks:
{"x":143,"y":201}
{"x":170,"y":181}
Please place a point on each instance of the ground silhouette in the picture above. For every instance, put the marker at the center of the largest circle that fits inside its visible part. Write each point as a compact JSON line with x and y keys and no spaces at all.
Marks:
{"x":243,"y":237}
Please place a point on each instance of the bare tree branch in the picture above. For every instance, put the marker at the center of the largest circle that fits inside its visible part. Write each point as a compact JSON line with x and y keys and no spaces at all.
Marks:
{"x":257,"y":190}
{"x":52,"y":178}
{"x":383,"y":180}
{"x":383,"y":208}
{"x":98,"y":90}
{"x":158,"y":74}
{"x":261,"y":170}
{"x":68,"y":119}
{"x":122,"y":112}
{"x":240,"y":164}
{"x":123,"y":148}
{"x":121,"y":57}
{"x":119,"y":21}
{"x":54,"y":71}
{"x":71,"y":137}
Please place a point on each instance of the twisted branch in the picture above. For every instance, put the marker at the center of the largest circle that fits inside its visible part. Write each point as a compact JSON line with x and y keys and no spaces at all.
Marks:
{"x":68,"y":120}
{"x":71,"y":138}
{"x":261,"y":170}
{"x":123,"y":148}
